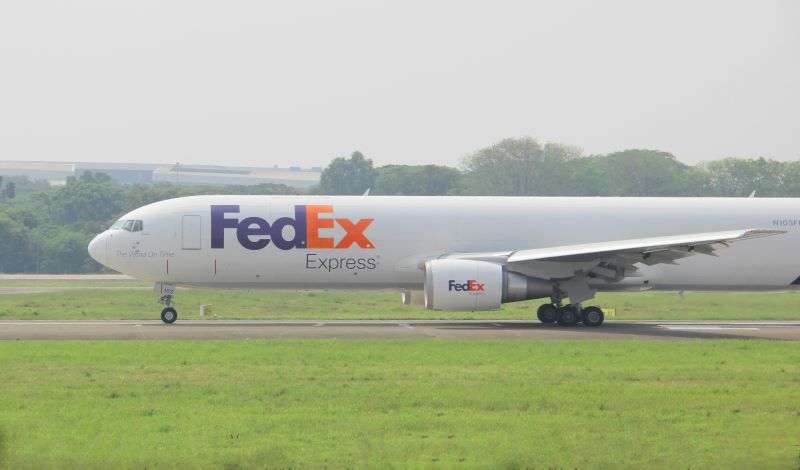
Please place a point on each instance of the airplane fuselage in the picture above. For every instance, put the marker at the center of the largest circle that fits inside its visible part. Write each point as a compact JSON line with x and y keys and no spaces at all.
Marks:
{"x":380,"y":242}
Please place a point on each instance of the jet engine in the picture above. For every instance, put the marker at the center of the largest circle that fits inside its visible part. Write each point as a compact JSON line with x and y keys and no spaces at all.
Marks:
{"x":466,"y":285}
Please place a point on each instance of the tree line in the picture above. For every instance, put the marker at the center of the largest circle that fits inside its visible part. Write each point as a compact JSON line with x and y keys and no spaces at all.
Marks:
{"x":7,"y":190}
{"x":526,"y":167}
{"x":46,"y":228}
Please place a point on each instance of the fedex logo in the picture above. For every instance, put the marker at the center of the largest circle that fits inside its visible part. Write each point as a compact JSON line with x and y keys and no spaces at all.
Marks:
{"x":469,"y":286}
{"x":255,"y":233}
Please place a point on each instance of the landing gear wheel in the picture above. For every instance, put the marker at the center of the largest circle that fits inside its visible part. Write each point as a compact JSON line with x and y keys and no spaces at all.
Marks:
{"x":547,"y":313}
{"x":568,"y":316}
{"x":169,"y":315}
{"x":592,"y":316}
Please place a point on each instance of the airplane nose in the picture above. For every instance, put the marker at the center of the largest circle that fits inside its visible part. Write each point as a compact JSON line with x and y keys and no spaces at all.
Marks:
{"x":97,"y":248}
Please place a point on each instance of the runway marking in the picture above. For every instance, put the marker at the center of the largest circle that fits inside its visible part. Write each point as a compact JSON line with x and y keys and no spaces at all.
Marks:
{"x":712,"y":322}
{"x":707,"y":328}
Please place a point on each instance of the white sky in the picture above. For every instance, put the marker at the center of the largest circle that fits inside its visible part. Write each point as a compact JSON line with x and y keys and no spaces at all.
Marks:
{"x":265,"y":83}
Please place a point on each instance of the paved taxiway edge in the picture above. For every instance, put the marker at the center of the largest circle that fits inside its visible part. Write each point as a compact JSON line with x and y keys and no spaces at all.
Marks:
{"x":375,"y":329}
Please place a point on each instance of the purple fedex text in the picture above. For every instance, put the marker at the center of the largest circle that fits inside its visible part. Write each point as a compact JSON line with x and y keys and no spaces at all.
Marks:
{"x":255,"y":233}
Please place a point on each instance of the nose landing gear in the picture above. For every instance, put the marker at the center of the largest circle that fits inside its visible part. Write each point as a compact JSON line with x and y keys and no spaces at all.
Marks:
{"x":169,"y":315}
{"x":166,"y":292}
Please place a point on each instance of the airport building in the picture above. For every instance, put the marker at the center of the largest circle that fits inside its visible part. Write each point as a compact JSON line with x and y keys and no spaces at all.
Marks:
{"x":56,"y":173}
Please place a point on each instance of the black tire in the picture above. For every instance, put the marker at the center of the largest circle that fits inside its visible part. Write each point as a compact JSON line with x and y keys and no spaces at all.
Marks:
{"x":592,"y":316}
{"x":568,"y":316}
{"x":169,"y":315}
{"x":547,"y":313}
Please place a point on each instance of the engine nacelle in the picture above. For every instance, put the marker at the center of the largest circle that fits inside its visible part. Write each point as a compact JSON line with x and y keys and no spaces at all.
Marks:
{"x":466,"y":285}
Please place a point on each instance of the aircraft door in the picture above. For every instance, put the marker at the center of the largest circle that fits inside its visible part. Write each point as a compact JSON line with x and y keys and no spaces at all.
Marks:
{"x":191,"y":232}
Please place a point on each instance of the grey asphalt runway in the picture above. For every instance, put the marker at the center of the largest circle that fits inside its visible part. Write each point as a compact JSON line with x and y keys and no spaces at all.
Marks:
{"x":366,"y":329}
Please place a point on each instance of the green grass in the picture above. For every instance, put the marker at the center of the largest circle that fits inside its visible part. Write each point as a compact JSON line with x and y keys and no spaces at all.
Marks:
{"x":135,"y":301}
{"x":316,"y":403}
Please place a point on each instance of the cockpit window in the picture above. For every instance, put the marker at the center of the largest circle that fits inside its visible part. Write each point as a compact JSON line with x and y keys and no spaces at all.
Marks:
{"x":129,"y":225}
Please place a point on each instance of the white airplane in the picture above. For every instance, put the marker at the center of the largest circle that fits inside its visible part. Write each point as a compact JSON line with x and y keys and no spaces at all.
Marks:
{"x":463,"y":253}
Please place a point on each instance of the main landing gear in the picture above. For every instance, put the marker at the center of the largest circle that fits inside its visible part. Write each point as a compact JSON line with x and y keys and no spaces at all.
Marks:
{"x":570,"y":315}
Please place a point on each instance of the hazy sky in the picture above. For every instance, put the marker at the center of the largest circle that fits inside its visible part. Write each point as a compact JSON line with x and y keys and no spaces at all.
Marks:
{"x":301,"y":82}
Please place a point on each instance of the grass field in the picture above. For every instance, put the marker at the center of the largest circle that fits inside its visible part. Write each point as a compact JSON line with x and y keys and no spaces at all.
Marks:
{"x":328,"y":403}
{"x":133,"y":300}
{"x":320,"y":403}
{"x":401,"y":403}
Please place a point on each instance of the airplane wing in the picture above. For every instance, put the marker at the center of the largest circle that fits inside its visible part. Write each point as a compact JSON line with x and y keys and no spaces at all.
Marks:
{"x":611,"y":261}
{"x":647,"y":250}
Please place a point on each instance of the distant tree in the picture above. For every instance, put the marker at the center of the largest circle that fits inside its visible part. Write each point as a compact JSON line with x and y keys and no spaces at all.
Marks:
{"x":418,"y":180}
{"x":63,"y":250}
{"x":14,"y":253}
{"x":519,"y":167}
{"x":352,"y":175}
{"x":586,"y":177}
{"x":23,"y":185}
{"x":91,"y":197}
{"x":791,"y":179}
{"x":639,"y":172}
{"x":740,"y":177}
{"x":11,"y":190}
{"x":97,"y":177}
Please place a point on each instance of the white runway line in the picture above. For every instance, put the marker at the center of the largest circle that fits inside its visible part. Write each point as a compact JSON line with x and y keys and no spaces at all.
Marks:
{"x":707,"y":328}
{"x":712,"y":322}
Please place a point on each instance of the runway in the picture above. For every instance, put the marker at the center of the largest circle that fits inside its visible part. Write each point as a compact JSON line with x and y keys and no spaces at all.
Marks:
{"x":376,"y":329}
